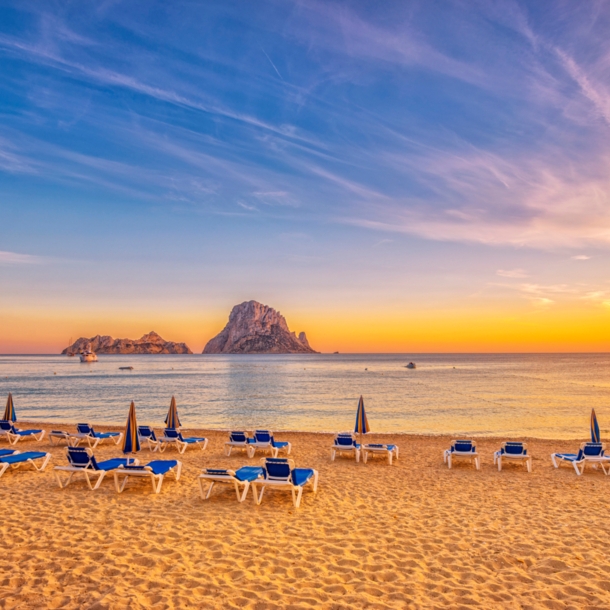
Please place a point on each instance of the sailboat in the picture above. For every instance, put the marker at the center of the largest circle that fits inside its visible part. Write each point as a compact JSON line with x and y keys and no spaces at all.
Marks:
{"x":70,"y":353}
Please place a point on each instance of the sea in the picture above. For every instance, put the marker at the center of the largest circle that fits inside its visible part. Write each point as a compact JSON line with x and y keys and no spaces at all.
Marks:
{"x":503,"y":395}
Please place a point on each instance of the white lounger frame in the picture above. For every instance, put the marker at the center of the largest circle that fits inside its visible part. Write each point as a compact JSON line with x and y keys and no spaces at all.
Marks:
{"x":181,"y":446}
{"x":229,"y":478}
{"x":88,"y":472}
{"x":230,"y":445}
{"x":579,"y":467}
{"x":4,"y":466}
{"x":13,"y":439}
{"x":155,"y":479}
{"x":341,"y":449}
{"x":297,"y":490}
{"x":57,"y":436}
{"x":385,"y":451}
{"x":93,"y":441}
{"x":499,"y":456}
{"x":449,"y":455}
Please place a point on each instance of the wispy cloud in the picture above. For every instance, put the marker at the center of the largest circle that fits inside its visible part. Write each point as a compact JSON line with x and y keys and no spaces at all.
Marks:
{"x":15,"y":258}
{"x":512,"y":273}
{"x":580,"y":257}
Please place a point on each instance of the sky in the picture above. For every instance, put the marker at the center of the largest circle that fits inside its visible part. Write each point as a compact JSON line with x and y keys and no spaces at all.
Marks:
{"x":419,"y":176}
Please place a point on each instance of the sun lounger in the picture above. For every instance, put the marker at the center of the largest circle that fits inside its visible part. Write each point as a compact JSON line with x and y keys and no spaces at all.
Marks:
{"x":82,"y":460}
{"x":463,"y":450}
{"x":18,"y":459}
{"x":345,"y":443}
{"x":238,"y":440}
{"x":14,"y":435}
{"x":4,"y":452}
{"x":174,"y":437}
{"x":154,"y":471}
{"x":238,"y":478}
{"x":513,"y":451}
{"x":389,"y":451}
{"x":93,"y":438}
{"x":147,"y":435}
{"x":263,"y":439}
{"x":280,"y":473}
{"x":589,"y":453}
{"x":58,"y":436}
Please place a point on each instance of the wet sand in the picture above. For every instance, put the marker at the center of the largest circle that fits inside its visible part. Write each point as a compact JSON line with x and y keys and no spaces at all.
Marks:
{"x":411,"y":535}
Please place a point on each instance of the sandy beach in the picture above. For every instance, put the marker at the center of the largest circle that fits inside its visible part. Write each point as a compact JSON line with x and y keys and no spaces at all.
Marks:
{"x":413,"y":535}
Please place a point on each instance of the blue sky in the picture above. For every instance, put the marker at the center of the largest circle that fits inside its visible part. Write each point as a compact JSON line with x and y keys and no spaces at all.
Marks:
{"x":172,"y":159}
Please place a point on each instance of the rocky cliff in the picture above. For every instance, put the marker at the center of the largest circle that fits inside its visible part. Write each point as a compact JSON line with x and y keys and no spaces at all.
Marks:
{"x":254,"y":328}
{"x":151,"y":343}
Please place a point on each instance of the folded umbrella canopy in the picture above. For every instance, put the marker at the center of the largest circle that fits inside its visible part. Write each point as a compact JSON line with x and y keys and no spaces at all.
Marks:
{"x":172,"y":420}
{"x":595,"y":435}
{"x":9,"y":412}
{"x":131,"y":440}
{"x":362,"y":424}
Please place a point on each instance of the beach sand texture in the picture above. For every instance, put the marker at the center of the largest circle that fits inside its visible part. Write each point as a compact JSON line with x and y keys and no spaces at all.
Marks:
{"x":413,"y":535}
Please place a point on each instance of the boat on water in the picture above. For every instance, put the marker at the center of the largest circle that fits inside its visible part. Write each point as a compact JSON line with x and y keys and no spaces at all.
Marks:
{"x":411,"y":365}
{"x":126,"y":368}
{"x":88,"y":356}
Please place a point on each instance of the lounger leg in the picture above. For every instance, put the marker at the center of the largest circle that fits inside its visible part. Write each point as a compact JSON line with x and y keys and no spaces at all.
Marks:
{"x":59,"y":481}
{"x":365,"y":455}
{"x":244,"y":494}
{"x":119,"y":486}
{"x":157,"y":488}
{"x":449,"y":461}
{"x":15,"y":438}
{"x":498,"y":460}
{"x":357,"y":455}
{"x":3,"y":468}
{"x":578,"y":472}
{"x":181,"y":447}
{"x":297,"y":500}
{"x":477,"y":463}
{"x":528,"y":464}
{"x":315,"y":481}
{"x":554,"y":460}
{"x":258,"y":498}
{"x":390,"y":458}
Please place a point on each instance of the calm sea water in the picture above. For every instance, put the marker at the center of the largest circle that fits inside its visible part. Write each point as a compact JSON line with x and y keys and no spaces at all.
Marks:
{"x":536,"y":395}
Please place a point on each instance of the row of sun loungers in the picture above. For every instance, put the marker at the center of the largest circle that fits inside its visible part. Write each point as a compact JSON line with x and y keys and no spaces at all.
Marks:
{"x":588,"y":454}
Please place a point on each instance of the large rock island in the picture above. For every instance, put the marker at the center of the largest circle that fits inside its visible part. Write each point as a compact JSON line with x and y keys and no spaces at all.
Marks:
{"x":151,"y":343}
{"x":254,"y":328}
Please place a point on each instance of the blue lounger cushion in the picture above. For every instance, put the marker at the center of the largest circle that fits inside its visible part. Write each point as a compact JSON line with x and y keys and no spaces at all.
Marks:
{"x":192,"y":439}
{"x":300,"y":476}
{"x":112,"y":463}
{"x":22,"y":457}
{"x":246,"y":473}
{"x":157,"y":466}
{"x":279,"y":444}
{"x":571,"y":457}
{"x":26,"y":432}
{"x":249,"y":473}
{"x":4,"y":452}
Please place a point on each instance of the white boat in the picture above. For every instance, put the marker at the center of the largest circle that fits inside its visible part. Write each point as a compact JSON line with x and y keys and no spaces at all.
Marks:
{"x":411,"y":365}
{"x":88,"y":356}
